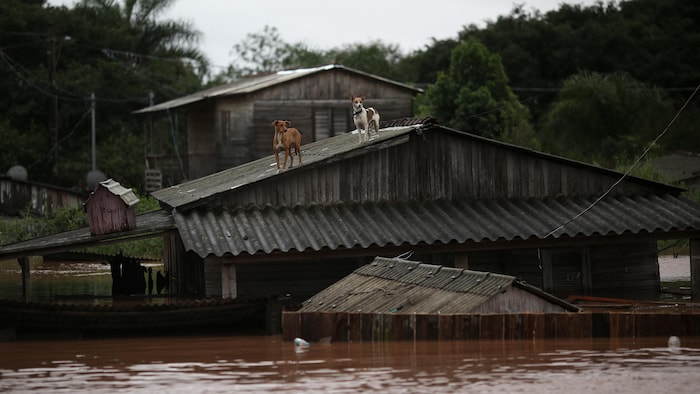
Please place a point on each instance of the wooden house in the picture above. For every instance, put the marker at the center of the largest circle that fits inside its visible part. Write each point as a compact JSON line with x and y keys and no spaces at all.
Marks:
{"x":447,"y":197}
{"x":231,"y":124}
{"x":450,"y":198}
{"x":110,"y":208}
{"x":679,"y":168}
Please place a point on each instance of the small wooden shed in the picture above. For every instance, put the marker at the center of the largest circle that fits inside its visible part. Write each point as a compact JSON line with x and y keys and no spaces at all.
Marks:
{"x":394,"y":285}
{"x":110,"y":208}
{"x":397,"y":299}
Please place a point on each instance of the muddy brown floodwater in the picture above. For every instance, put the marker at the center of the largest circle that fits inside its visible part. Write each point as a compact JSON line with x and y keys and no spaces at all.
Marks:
{"x":266,"y":364}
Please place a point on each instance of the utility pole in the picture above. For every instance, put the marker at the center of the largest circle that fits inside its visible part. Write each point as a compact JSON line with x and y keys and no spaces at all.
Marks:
{"x":92,"y":110}
{"x":53,"y":106}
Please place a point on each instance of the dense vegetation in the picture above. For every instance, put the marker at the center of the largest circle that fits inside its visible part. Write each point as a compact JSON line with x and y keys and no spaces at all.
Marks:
{"x":594,"y":83}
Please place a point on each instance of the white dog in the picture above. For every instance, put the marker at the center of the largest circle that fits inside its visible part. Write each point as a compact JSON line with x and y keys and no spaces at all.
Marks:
{"x":365,"y":118}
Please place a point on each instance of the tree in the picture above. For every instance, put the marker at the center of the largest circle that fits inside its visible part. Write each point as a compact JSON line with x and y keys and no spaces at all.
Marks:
{"x":375,"y":58}
{"x":266,"y":51}
{"x":474,"y":96}
{"x":604,"y":118}
{"x":120,"y":51}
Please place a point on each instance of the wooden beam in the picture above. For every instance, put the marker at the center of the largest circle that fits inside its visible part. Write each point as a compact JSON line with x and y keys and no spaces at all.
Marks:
{"x":695,"y":269}
{"x":26,"y":279}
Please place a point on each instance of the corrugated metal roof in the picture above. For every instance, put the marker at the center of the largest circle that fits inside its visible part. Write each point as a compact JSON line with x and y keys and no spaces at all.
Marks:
{"x":392,"y":285}
{"x":349,"y":225}
{"x":258,"y":82}
{"x":146,"y":225}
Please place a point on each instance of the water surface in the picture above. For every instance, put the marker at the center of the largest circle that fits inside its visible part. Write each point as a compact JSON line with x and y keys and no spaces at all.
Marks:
{"x":259,"y":364}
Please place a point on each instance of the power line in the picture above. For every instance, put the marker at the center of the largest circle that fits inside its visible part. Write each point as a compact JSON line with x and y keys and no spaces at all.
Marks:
{"x":631,"y":167}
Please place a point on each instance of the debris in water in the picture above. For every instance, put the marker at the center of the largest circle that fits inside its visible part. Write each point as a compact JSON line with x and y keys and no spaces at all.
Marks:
{"x":674,"y":344}
{"x":301,"y":345}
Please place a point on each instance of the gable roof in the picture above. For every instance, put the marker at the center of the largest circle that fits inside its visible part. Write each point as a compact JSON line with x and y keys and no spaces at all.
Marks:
{"x":207,"y":228}
{"x":199,"y":191}
{"x":393,"y":285}
{"x":259,"y":82}
{"x":127,"y":196}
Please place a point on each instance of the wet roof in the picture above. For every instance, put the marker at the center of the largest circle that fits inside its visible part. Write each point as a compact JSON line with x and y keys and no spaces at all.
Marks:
{"x":258,"y":82}
{"x":269,"y":229}
{"x":394,"y":285}
{"x":147,"y":225}
{"x":198,"y":191}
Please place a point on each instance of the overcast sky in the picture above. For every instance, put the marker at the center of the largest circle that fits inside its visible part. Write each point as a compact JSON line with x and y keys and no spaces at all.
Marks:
{"x":326,"y":24}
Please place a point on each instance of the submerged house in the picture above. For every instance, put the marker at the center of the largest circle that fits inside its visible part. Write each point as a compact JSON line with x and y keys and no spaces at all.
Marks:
{"x":231,"y":124}
{"x":395,"y":285}
{"x":398,"y":299}
{"x":450,"y":198}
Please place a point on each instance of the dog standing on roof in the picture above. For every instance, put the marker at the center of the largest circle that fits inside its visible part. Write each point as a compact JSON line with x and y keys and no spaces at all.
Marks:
{"x":286,"y":139}
{"x":365,"y":119}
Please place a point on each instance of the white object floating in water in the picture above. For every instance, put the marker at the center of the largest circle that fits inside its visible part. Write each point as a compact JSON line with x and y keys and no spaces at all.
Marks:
{"x":300,"y":343}
{"x":674,"y":344}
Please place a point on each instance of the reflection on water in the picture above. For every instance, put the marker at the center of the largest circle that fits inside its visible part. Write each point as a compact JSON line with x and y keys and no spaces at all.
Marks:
{"x":62,"y":281}
{"x":267,"y":364}
{"x":261,"y":364}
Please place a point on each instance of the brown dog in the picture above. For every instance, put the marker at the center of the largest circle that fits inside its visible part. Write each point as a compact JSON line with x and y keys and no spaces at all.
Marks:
{"x":286,"y":138}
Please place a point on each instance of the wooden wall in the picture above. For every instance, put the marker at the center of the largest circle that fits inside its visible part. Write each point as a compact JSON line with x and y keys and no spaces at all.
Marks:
{"x":202,"y":140}
{"x":626,"y":271}
{"x":229,"y":131}
{"x":356,"y":327}
{"x":433,"y":165}
{"x":19,"y":197}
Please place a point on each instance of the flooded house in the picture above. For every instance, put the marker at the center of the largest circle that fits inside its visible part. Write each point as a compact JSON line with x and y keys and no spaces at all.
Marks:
{"x":448,"y":197}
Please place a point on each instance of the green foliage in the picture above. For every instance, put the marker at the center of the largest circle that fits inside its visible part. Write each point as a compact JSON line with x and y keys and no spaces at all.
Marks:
{"x":28,"y":227}
{"x":266,"y":51}
{"x":117,"y":50}
{"x":474,"y":96}
{"x":123,"y":50}
{"x":604,"y":119}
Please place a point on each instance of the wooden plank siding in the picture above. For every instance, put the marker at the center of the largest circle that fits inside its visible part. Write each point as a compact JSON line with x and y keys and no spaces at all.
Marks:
{"x":430,"y":167}
{"x":626,"y":271}
{"x":372,"y":327}
{"x":20,"y":197}
{"x":232,"y":130}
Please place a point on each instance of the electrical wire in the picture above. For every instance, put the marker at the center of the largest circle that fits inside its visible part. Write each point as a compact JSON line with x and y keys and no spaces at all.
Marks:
{"x":631,"y":167}
{"x":59,"y":142}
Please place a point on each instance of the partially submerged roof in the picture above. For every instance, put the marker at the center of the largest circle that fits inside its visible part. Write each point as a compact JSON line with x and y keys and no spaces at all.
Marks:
{"x":393,"y":285}
{"x":344,"y":226}
{"x":258,"y":82}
